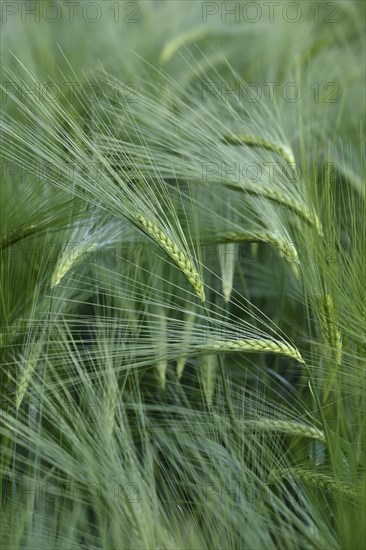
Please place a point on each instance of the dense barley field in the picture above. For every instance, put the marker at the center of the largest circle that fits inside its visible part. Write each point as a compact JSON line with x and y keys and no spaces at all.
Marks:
{"x":182,"y":275}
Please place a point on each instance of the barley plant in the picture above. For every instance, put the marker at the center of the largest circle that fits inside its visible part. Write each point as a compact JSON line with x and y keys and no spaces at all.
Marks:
{"x":182,"y":275}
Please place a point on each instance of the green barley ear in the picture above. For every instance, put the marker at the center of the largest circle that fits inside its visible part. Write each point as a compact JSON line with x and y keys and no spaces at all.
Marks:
{"x":175,"y":253}
{"x":288,"y":427}
{"x":329,"y":326}
{"x":186,"y":37}
{"x":319,"y":480}
{"x":258,"y":141}
{"x":28,"y":369}
{"x":84,"y":239}
{"x":286,"y":249}
{"x":67,"y":261}
{"x":252,"y":345}
{"x":332,"y":337}
{"x":17,"y":235}
{"x":291,"y":205}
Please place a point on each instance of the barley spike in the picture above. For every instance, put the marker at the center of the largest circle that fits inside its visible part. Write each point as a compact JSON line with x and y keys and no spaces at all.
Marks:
{"x":253,"y":345}
{"x":286,"y":249}
{"x":24,"y":382}
{"x":177,"y":255}
{"x":301,"y":211}
{"x":66,"y":263}
{"x":257,"y":141}
{"x":288,"y":427}
{"x":316,"y":479}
